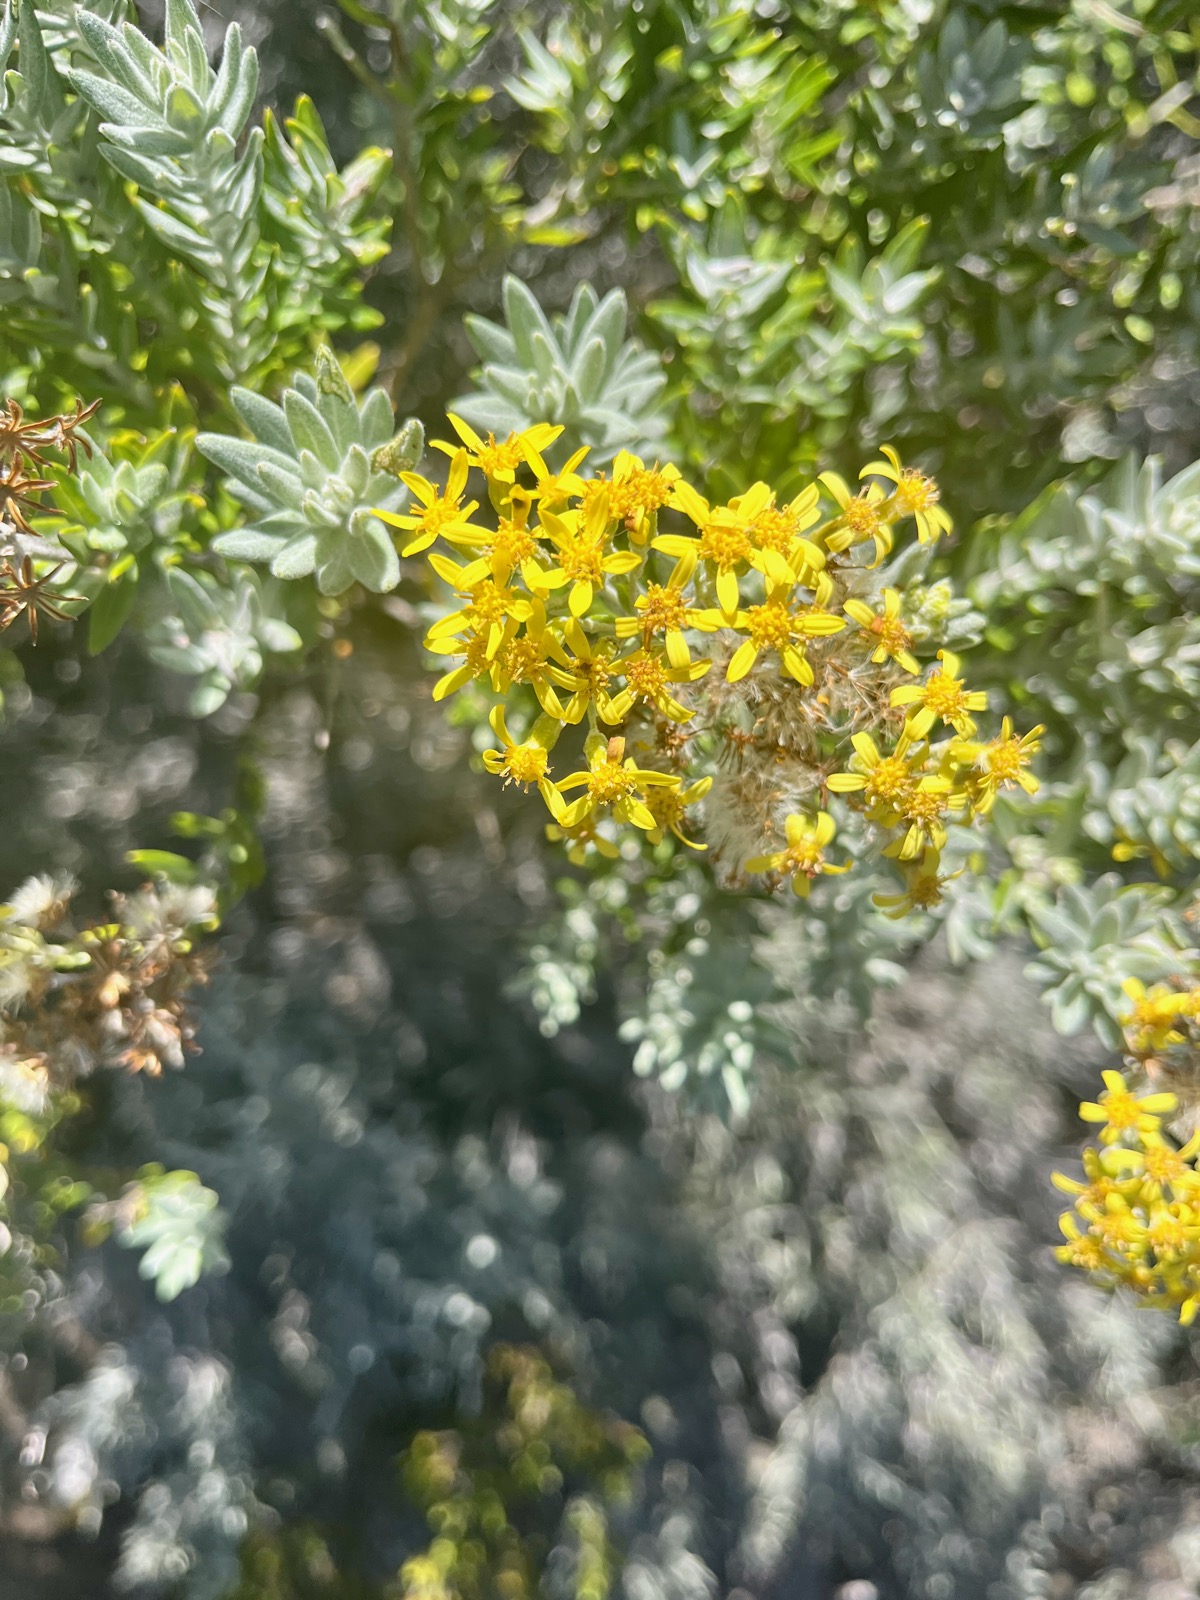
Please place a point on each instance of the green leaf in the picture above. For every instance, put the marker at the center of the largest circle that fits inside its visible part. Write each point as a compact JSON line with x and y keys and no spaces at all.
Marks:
{"x":111,"y":609}
{"x":526,"y":319}
{"x":37,"y":69}
{"x":310,"y":430}
{"x":164,"y":864}
{"x":264,"y":419}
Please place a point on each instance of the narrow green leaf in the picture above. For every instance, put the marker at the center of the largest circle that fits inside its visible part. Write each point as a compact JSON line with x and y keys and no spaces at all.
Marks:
{"x":110,"y":611}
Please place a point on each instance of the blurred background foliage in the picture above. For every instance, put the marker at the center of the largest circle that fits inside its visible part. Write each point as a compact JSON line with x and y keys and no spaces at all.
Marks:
{"x":753,"y":1204}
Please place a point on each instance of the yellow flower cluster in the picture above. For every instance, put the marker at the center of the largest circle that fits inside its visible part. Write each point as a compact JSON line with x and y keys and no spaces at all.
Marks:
{"x":1136,"y":1216}
{"x":739,"y":654}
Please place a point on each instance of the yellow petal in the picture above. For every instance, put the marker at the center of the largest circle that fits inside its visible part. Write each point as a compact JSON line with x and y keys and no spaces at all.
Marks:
{"x":744,"y":658}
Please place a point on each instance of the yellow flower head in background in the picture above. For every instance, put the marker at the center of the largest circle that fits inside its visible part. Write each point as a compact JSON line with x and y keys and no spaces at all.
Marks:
{"x":803,"y":857}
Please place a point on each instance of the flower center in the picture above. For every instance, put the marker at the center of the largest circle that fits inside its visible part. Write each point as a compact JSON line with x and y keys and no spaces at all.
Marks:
{"x":915,"y":492}
{"x":1163,"y":1165}
{"x":525,"y":763}
{"x":489,"y":603}
{"x":1121,"y":1108}
{"x":770,"y":625}
{"x":512,"y":544}
{"x":774,"y":530}
{"x":645,"y":676}
{"x":664,"y":610}
{"x":923,"y":805}
{"x":609,"y":782}
{"x":581,"y":561}
{"x":1166,"y":1234}
{"x":806,"y":857}
{"x":946,"y":696}
{"x":725,"y":543}
{"x":1005,"y":759}
{"x":438,"y":513}
{"x":523,"y":658}
{"x":862,"y":516}
{"x":493,"y":457}
{"x":890,"y":780}
{"x":643,"y":489}
{"x":893,"y":635}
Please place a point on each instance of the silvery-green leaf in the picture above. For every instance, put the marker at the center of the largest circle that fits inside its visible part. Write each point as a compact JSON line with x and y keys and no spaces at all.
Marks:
{"x":378,"y":419}
{"x":525,"y":319}
{"x":108,"y":46}
{"x":356,"y":470}
{"x":490,"y":341}
{"x":183,"y":111}
{"x":608,"y":323}
{"x":175,"y":234}
{"x":373,"y":557}
{"x":310,"y":430}
{"x":148,"y":141}
{"x":279,"y":636}
{"x":246,"y":544}
{"x":297,"y":558}
{"x":583,"y":309}
{"x":318,"y":510}
{"x":113,"y":103}
{"x":284,"y":487}
{"x":241,"y":100}
{"x":37,"y":68}
{"x":587,"y":369}
{"x":239,"y":457}
{"x":264,"y":419}
{"x":206,"y":698}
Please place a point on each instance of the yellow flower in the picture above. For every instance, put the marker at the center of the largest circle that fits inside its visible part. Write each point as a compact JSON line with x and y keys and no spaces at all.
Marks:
{"x":580,"y":542}
{"x":922,"y":807}
{"x":555,"y":488}
{"x":498,"y":461}
{"x":491,"y":612}
{"x":915,"y":495}
{"x":724,"y":542}
{"x":612,"y":780}
{"x":476,"y":661}
{"x":586,"y":674}
{"x":582,"y":837}
{"x":944,"y":695}
{"x":525,"y":763}
{"x":1004,"y":761}
{"x":1122,"y":1112}
{"x":803,"y":857}
{"x":530,"y":658}
{"x":779,"y":550}
{"x":1102,"y":1170}
{"x":863,"y":516}
{"x":1158,"y":1167}
{"x":885,"y":780}
{"x":441,"y":515}
{"x":664,"y":610}
{"x":1081,"y":1249}
{"x":892,"y":638}
{"x":649,"y":678}
{"x":638,"y":494}
{"x":668,"y":807}
{"x":922,"y":887}
{"x":1151,"y":1023}
{"x":774,"y":625}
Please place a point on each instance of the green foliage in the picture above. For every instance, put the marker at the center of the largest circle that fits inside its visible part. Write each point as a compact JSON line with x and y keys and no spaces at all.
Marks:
{"x":577,"y":370}
{"x":319,"y":466}
{"x":498,"y":1496}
